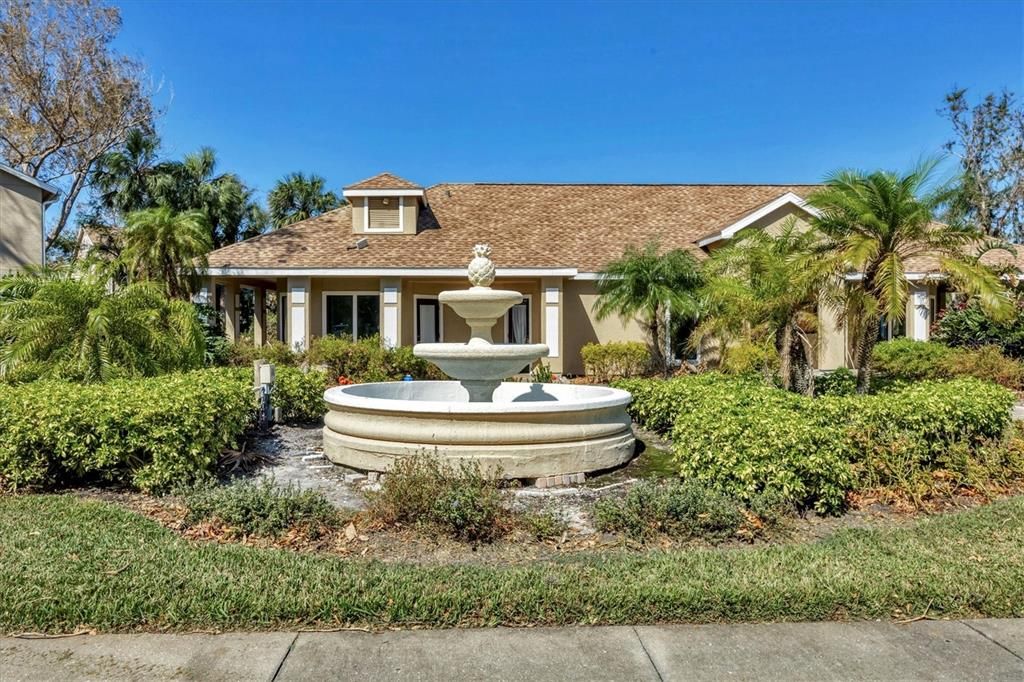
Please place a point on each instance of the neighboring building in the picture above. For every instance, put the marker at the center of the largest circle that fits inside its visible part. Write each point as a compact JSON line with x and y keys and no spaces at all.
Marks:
{"x":23,"y":202}
{"x":378,"y":264}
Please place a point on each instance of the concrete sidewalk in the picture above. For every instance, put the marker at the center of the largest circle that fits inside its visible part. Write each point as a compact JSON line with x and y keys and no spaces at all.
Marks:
{"x":932,"y":650}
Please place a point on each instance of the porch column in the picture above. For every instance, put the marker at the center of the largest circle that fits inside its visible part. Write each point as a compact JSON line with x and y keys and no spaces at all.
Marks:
{"x":259,"y":316}
{"x":231,"y":293}
{"x":920,"y":318}
{"x":390,"y":304}
{"x":298,"y":313}
{"x":551,"y":320}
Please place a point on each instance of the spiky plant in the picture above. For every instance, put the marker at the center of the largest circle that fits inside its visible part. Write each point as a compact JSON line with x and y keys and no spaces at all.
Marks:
{"x":298,"y":197}
{"x":766,"y":288}
{"x":874,"y":225}
{"x":650,"y":286}
{"x":166,"y":247}
{"x":66,"y":324}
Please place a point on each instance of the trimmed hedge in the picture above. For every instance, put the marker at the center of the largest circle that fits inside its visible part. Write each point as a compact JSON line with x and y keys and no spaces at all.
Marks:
{"x":616,"y":359}
{"x":903,"y":360}
{"x":151,"y":433}
{"x":748,"y":438}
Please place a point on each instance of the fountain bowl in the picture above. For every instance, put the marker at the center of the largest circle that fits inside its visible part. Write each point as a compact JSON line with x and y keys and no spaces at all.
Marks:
{"x":529,"y":431}
{"x":464,"y":361}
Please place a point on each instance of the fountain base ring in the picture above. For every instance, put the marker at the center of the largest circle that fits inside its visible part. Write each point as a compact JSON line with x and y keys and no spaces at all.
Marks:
{"x":529,"y":431}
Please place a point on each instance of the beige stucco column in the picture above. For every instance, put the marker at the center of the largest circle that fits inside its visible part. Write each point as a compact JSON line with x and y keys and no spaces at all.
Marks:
{"x":551,"y":320}
{"x":390,"y":311}
{"x":231,"y":293}
{"x":259,"y":317}
{"x":299,"y":298}
{"x":832,"y":343}
{"x":919,"y":321}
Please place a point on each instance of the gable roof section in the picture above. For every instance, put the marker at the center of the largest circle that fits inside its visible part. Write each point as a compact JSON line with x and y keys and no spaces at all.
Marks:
{"x":384,"y":180}
{"x":730,"y":229}
{"x":49,"y":191}
{"x":582,"y":227}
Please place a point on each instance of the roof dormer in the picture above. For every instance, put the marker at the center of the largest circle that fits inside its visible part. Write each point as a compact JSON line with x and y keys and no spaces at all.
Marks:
{"x":384,"y":204}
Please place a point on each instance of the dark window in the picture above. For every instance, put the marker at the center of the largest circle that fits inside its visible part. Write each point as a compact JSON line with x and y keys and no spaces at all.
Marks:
{"x":517,"y":323}
{"x":428,"y":320}
{"x":348,"y":313}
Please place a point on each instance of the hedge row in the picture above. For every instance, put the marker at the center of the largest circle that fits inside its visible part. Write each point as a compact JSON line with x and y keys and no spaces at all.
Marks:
{"x":749,"y":438}
{"x":151,"y":433}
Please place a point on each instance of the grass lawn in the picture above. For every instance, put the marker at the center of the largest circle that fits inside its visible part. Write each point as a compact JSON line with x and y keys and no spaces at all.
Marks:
{"x":66,"y":564}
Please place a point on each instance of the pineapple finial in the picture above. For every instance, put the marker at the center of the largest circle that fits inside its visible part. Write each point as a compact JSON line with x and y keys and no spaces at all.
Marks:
{"x":481,"y":269}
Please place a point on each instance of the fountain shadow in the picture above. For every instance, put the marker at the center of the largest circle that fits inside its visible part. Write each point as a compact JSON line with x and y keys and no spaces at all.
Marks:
{"x":536,"y":394}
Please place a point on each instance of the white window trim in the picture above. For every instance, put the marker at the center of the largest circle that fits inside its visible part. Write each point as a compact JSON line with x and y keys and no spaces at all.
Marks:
{"x":727,"y":232}
{"x":416,"y":316}
{"x":355,"y":310}
{"x":528,"y":298}
{"x":378,"y":230}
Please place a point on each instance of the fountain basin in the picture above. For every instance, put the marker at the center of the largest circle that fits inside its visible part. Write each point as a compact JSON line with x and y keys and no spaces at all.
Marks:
{"x":528,"y":431}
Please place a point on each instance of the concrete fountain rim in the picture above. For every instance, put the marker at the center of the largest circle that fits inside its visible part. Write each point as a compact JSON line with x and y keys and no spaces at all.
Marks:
{"x":602,"y":397}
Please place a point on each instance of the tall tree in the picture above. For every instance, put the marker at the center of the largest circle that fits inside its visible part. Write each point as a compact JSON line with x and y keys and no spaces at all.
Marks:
{"x":66,"y":96}
{"x":123,"y":177}
{"x":169,"y":248}
{"x":989,"y":142}
{"x":765,"y":287}
{"x":195,"y":184}
{"x":874,"y":224}
{"x":298,"y":197}
{"x":650,"y":286}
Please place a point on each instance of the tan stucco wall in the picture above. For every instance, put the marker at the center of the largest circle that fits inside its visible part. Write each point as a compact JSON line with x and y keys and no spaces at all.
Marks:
{"x":580,"y":326}
{"x":21,"y":224}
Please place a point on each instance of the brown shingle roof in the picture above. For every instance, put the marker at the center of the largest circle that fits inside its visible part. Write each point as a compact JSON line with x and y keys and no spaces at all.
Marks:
{"x":539,"y":225}
{"x":385,"y":181}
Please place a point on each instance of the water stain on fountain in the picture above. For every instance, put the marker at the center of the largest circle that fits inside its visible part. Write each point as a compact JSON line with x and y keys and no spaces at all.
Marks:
{"x":525,"y":430}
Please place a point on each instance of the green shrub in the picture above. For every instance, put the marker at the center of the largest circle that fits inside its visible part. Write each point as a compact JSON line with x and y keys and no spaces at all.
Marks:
{"x":365,"y":360}
{"x":840,"y":381}
{"x":544,"y":525}
{"x":300,"y":394}
{"x":750,"y":359}
{"x":243,"y":353}
{"x":151,"y":433}
{"x":906,"y":359}
{"x":965,"y":325}
{"x":748,"y":438}
{"x":615,"y":360}
{"x":260,"y":509}
{"x":987,"y":363}
{"x":459,"y":501}
{"x":761,"y":440}
{"x":657,"y":401}
{"x":682,"y":510}
{"x":541,"y":374}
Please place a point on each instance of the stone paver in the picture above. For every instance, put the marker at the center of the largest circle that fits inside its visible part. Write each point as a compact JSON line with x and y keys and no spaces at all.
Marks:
{"x":248,"y":656}
{"x":924,"y":650}
{"x":536,"y":654}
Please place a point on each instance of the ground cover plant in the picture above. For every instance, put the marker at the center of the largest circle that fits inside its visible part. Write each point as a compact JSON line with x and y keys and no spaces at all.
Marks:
{"x":150,"y":433}
{"x":749,"y":438}
{"x":260,"y":508}
{"x":71,"y":564}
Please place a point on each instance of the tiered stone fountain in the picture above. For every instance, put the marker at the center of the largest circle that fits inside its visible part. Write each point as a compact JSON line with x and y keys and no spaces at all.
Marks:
{"x":527,"y":430}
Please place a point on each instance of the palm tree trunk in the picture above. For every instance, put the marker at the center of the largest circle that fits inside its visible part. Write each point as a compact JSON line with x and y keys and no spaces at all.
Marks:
{"x":786,"y":356}
{"x":862,"y":353}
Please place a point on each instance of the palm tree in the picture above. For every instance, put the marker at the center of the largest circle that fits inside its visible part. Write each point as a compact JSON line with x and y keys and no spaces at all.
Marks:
{"x":194,"y":184}
{"x":766,"y":288}
{"x":123,"y":177}
{"x":169,"y":248}
{"x":65,"y":324}
{"x":298,"y":197}
{"x":650,"y":287}
{"x":874,"y":224}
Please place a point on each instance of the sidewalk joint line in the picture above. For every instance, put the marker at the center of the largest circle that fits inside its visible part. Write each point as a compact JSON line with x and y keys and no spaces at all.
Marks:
{"x":996,"y":642}
{"x":647,"y":653}
{"x":291,"y":645}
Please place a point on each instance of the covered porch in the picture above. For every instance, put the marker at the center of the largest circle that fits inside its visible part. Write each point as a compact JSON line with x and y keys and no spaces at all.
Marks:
{"x":403,"y":309}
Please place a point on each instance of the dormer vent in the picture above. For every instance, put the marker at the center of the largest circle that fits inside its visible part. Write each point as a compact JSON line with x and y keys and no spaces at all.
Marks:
{"x":384,"y":204}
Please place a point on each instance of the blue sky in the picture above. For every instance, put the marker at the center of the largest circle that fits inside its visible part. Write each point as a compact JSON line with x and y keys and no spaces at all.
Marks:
{"x":568,"y":92}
